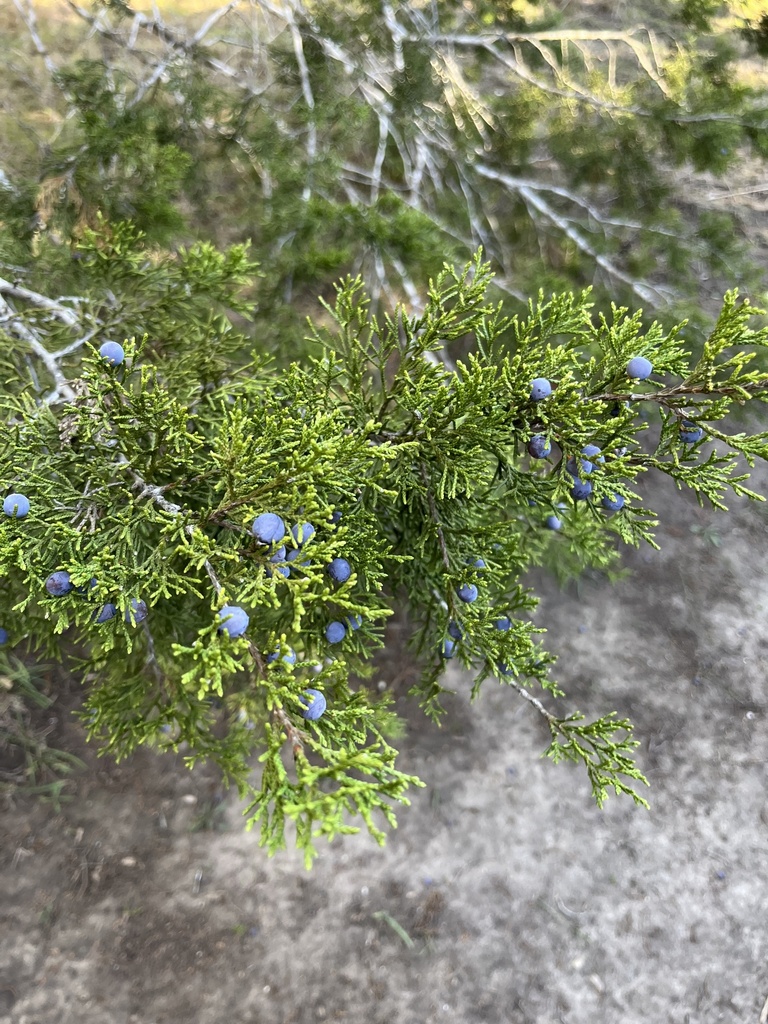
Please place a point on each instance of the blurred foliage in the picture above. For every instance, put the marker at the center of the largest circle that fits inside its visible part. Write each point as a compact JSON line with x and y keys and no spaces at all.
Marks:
{"x":383,"y":139}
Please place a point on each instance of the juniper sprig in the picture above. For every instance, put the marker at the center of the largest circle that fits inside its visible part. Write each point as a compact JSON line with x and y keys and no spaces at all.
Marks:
{"x":401,"y":477}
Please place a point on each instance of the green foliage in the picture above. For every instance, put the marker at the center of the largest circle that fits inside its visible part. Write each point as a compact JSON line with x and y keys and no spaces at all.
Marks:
{"x":127,"y":164}
{"x":378,"y":146}
{"x":383,"y":139}
{"x":756,"y":32}
{"x":147,"y":476}
{"x":604,"y":748}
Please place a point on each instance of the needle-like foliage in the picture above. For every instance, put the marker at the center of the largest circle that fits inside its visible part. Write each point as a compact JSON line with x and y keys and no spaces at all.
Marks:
{"x":185,"y":206}
{"x":144,"y":480}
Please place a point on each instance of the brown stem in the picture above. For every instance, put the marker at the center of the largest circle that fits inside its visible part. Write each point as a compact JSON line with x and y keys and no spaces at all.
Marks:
{"x":435,"y":518}
{"x":682,"y":390}
{"x":291,"y":732}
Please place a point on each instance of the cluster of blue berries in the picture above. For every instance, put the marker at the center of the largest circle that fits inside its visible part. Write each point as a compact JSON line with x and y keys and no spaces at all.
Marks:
{"x":269,"y":530}
{"x":455,"y":634}
{"x":468,"y":593}
{"x":234,"y":622}
{"x":336,"y":631}
{"x":539,"y":446}
{"x":579,"y":468}
{"x":59,"y":583}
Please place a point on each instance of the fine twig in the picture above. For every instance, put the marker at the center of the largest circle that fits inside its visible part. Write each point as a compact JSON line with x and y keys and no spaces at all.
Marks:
{"x":552,"y":720}
{"x":663,"y":395}
{"x":648,"y":293}
{"x":436,"y":518}
{"x":63,"y":313}
{"x":29,"y":16}
{"x":292,"y":733}
{"x":62,"y":389}
{"x":157,"y":495}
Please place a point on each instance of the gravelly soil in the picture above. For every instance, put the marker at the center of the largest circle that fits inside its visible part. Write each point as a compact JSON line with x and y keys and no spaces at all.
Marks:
{"x":504,"y":896}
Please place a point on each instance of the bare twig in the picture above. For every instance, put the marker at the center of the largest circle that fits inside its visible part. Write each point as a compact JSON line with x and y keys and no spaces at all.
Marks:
{"x":62,"y":388}
{"x":155,"y":27}
{"x":378,"y":162}
{"x":309,"y":99}
{"x":212,"y":20}
{"x":515,"y":183}
{"x":27,"y":12}
{"x":501,"y":281}
{"x":430,"y":166}
{"x":552,"y":720}
{"x":63,"y":313}
{"x":663,"y":395}
{"x":397,"y":35}
{"x":647,"y":293}
{"x":73,"y":346}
